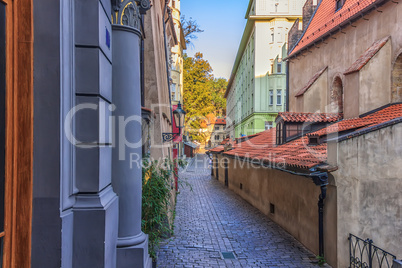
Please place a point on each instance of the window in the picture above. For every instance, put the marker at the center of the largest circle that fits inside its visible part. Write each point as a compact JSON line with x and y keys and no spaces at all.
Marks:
{"x":279,"y":37}
{"x":268,"y":125}
{"x":339,"y":4}
{"x":217,"y":128}
{"x":173,"y":91}
{"x":272,"y":35}
{"x":293,"y":130}
{"x":279,"y":68}
{"x":279,"y":134}
{"x":279,"y":97}
{"x":216,"y":137}
{"x":271,"y":97}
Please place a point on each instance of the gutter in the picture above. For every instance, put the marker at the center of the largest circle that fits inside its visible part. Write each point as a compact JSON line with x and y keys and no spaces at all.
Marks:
{"x":165,"y":10}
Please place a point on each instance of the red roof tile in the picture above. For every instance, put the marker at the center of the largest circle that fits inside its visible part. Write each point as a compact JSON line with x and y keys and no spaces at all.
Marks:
{"x":368,"y":54}
{"x":220,"y":121}
{"x":326,"y":19}
{"x":309,"y":117}
{"x":310,"y":82}
{"x":227,"y":140}
{"x":381,"y":116}
{"x":298,"y":153}
{"x":217,"y":149}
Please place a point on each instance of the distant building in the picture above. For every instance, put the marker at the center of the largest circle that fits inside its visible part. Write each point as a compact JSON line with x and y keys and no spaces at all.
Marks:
{"x":176,"y":56}
{"x":256,"y":90}
{"x":218,"y":132}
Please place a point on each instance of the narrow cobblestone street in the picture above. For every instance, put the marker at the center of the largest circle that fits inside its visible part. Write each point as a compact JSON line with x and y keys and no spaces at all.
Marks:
{"x":211,"y":219}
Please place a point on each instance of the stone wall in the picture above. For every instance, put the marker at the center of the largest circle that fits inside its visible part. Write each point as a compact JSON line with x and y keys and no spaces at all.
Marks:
{"x":341,"y":50}
{"x":369,"y":182}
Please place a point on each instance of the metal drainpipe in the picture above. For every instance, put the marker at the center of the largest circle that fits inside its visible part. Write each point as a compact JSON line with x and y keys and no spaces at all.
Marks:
{"x":320,"y":179}
{"x":287,"y":86}
{"x":321,"y":220}
{"x":142,"y":68}
{"x":167,"y":60}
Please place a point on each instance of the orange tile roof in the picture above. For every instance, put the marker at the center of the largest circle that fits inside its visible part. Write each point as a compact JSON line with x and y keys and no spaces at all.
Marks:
{"x":309,"y":117}
{"x":220,"y":121}
{"x":326,"y":19}
{"x":226,"y":140}
{"x":295,"y":153}
{"x":298,"y":153}
{"x":368,"y":54}
{"x":310,"y":82}
{"x":217,"y":149}
{"x":376,"y":118}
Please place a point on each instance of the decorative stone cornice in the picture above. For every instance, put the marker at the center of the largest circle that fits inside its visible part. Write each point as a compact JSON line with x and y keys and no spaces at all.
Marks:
{"x":128,"y":12}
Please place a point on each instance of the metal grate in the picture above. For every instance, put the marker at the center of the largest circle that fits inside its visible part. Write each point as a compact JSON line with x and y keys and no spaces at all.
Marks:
{"x":228,"y":256}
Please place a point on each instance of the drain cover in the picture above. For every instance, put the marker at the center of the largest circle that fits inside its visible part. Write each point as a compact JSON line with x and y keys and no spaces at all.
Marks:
{"x":228,"y":256}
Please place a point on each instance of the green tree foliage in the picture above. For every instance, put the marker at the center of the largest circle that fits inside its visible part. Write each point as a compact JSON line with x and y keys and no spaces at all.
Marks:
{"x":203,"y":93}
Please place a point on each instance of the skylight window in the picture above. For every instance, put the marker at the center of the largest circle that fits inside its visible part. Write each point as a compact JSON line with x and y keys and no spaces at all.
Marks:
{"x":339,"y":4}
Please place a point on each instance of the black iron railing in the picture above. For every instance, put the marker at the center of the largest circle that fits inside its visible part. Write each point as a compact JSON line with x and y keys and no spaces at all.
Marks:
{"x":363,"y":253}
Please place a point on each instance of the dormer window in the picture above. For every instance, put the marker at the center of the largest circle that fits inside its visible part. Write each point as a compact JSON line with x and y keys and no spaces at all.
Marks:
{"x":313,"y":140}
{"x":290,"y":126}
{"x":339,"y":4}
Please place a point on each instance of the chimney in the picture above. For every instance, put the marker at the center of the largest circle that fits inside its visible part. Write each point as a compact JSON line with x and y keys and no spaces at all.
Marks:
{"x":294,"y":35}
{"x":308,"y":11}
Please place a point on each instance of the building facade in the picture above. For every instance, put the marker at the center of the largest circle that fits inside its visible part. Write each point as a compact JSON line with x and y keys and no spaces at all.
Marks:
{"x":359,"y":72}
{"x":177,"y":55}
{"x":258,"y":69}
{"x":339,"y":142}
{"x":218,"y":132}
{"x":71,"y":183}
{"x":176,"y":69}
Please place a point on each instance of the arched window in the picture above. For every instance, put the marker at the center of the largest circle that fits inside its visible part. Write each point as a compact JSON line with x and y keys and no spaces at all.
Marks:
{"x":337,"y":95}
{"x":396,"y":85}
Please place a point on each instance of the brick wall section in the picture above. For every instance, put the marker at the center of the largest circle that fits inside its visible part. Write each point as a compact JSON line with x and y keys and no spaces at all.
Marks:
{"x":294,"y":35}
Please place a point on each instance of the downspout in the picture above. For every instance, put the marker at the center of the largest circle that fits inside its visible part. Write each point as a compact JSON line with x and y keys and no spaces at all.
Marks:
{"x":287,"y":86}
{"x":142,"y":56}
{"x":167,"y":60}
{"x":321,"y":179}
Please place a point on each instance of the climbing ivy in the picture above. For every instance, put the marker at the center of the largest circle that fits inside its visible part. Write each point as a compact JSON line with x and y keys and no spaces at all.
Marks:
{"x":157,"y":190}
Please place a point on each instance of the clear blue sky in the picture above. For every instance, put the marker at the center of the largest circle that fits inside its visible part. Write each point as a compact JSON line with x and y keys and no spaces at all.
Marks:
{"x":223,"y":24}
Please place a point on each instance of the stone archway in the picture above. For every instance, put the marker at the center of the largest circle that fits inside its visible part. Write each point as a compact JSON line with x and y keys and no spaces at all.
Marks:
{"x":336,"y":97}
{"x":396,"y":82}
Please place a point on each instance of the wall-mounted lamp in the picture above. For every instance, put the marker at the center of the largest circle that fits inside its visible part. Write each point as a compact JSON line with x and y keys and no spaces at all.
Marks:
{"x":179,"y":115}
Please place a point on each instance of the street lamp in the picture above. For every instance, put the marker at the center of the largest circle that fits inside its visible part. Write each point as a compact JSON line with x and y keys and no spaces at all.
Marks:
{"x":178,"y":115}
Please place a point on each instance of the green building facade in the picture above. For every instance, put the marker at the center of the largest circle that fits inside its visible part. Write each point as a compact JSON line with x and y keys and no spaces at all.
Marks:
{"x":257,"y":86}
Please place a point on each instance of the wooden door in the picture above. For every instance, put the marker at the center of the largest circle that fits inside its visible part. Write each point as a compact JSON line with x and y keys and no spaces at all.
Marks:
{"x":16,"y":131}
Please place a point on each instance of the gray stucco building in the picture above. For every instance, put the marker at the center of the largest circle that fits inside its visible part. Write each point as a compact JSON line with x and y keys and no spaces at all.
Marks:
{"x":72,"y":190}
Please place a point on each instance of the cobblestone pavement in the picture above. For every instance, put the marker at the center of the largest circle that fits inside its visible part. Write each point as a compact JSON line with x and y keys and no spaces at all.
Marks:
{"x":212,"y":219}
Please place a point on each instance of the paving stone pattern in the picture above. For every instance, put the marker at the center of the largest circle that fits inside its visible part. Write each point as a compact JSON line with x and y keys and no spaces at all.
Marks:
{"x":212,"y":219}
